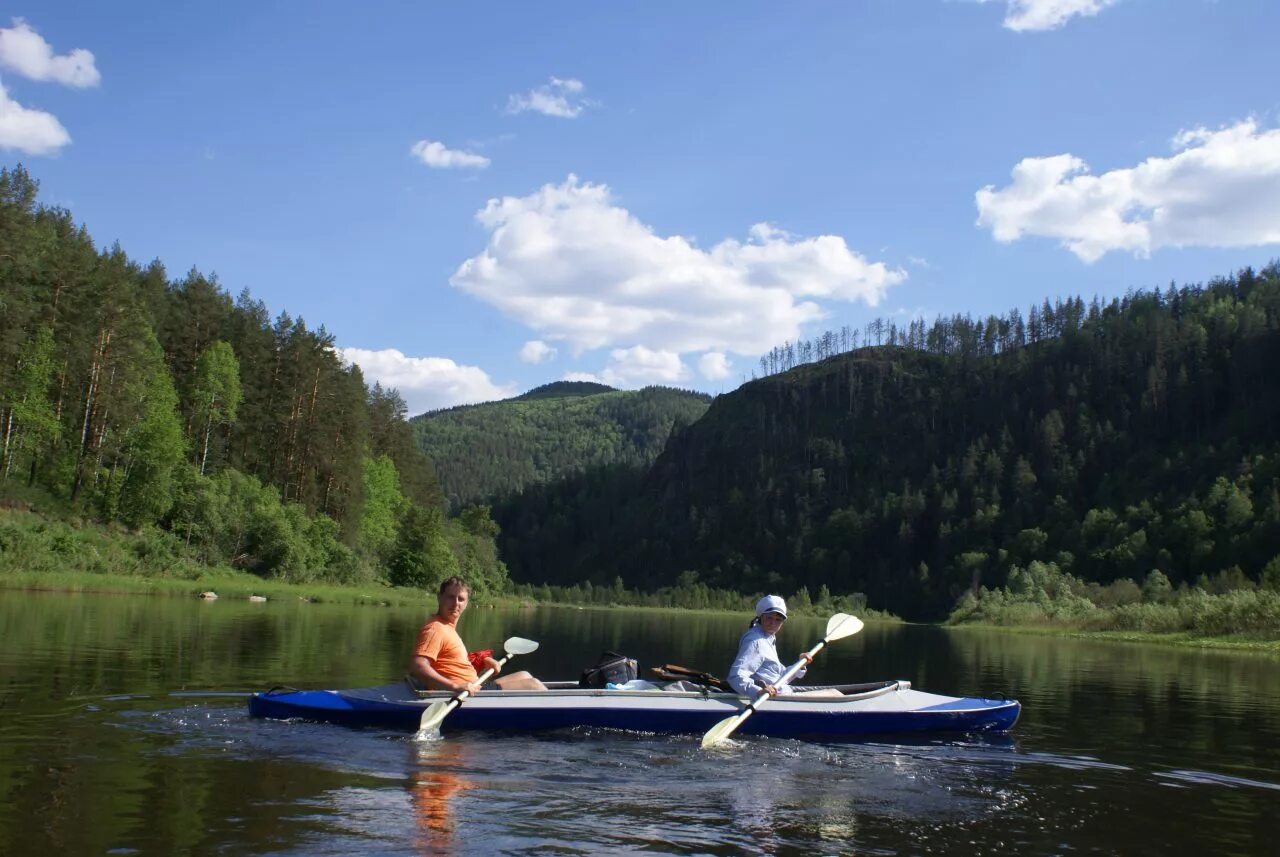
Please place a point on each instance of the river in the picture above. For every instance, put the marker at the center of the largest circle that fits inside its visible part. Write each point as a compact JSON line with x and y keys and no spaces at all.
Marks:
{"x":123,"y":731}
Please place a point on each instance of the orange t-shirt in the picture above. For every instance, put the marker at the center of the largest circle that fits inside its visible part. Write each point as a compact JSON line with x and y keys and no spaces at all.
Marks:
{"x":439,"y":643}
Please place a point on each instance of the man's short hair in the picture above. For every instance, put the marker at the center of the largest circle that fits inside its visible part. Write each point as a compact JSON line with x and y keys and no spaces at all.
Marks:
{"x":454,"y":581}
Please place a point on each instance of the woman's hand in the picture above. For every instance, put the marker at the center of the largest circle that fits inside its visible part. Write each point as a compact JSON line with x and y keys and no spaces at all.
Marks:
{"x":471,"y":687}
{"x":771,"y":690}
{"x":491,"y":664}
{"x":807,"y":658}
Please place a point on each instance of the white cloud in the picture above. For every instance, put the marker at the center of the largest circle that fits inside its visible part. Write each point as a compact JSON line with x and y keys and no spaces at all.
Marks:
{"x":31,"y":131}
{"x":571,"y":264}
{"x":536,"y":351}
{"x":638,"y":366}
{"x":427,"y":383}
{"x":1036,"y":15}
{"x":714,"y":366}
{"x":582,"y":376}
{"x":438,"y":156}
{"x":560,"y":98}
{"x":24,"y":51}
{"x":1222,"y":189}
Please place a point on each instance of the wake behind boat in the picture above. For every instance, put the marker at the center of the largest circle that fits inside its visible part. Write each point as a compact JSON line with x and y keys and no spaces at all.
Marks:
{"x":886,"y":707}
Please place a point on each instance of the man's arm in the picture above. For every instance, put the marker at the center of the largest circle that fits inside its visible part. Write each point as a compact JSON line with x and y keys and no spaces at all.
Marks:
{"x":421,"y":669}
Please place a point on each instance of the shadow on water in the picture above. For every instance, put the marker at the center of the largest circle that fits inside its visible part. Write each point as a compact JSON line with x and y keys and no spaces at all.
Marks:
{"x":1121,"y":748}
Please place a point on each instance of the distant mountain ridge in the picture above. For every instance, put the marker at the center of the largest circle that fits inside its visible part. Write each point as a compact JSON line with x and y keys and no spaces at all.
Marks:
{"x":554,"y":390}
{"x":551,"y":432}
{"x":565,"y":389}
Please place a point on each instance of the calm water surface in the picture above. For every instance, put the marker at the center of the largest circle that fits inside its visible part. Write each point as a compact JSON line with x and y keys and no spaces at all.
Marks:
{"x":122,"y":732}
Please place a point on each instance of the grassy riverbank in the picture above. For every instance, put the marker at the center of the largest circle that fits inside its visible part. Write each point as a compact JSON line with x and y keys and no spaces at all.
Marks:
{"x":42,"y":552}
{"x":225,"y":583}
{"x":73,"y":555}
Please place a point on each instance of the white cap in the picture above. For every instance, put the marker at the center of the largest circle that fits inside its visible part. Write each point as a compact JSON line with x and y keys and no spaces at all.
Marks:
{"x":771,"y":604}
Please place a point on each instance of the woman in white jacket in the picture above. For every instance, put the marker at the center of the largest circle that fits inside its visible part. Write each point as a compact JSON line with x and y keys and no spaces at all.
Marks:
{"x":757,"y":666}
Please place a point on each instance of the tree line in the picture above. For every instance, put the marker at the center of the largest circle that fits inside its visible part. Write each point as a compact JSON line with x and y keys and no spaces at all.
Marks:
{"x":156,"y":402}
{"x":959,"y":334}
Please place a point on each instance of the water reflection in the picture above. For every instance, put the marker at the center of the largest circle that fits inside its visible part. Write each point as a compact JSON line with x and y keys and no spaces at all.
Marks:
{"x":435,"y":783}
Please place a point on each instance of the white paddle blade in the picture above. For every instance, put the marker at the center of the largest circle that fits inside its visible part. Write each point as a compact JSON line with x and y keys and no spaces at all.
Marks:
{"x":842,"y":625}
{"x":519,"y":646}
{"x":433,"y":716}
{"x":722,"y":730}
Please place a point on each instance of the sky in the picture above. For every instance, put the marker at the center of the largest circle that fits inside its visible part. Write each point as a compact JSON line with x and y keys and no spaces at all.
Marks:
{"x":476,"y":199}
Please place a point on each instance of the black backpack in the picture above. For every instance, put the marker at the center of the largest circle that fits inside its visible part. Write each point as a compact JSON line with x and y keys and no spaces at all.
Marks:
{"x":611,"y":668}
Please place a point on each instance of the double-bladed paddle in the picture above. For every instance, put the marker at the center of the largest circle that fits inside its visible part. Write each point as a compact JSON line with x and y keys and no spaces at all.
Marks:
{"x":435,"y":713}
{"x":839,"y":626}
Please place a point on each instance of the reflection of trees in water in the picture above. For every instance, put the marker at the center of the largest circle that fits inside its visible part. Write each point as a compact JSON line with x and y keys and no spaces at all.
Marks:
{"x":139,"y":644}
{"x":434,"y":785}
{"x":1030,"y":661}
{"x":1138,"y":702}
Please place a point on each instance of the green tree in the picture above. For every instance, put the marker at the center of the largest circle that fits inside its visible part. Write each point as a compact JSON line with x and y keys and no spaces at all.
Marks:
{"x":1232,"y":505}
{"x":155,"y":446}
{"x":384,"y":506}
{"x":1156,"y":588}
{"x":32,"y":423}
{"x":476,"y":520}
{"x":421,"y":556}
{"x":215,"y":393}
{"x":1271,"y":575}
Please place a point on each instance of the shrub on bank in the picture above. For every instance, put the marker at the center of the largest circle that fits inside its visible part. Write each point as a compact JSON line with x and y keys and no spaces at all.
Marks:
{"x":1243,"y":611}
{"x":29,"y":543}
{"x":1044,"y":595}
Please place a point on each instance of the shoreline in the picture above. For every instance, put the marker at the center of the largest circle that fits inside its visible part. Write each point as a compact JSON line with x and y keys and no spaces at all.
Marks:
{"x":1180,"y":639}
{"x":239,"y":586}
{"x":230,"y":586}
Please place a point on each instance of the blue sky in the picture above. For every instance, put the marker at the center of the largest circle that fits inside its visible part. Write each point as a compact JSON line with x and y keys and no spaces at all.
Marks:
{"x":477,"y":199}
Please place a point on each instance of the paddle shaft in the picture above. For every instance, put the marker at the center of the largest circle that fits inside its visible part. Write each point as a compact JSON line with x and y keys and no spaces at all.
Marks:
{"x":484,"y":676}
{"x":786,"y":677}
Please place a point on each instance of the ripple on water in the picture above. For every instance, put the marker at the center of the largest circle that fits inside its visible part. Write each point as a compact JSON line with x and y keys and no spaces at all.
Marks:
{"x":597,"y":790}
{"x":1206,"y":778}
{"x":602,"y":790}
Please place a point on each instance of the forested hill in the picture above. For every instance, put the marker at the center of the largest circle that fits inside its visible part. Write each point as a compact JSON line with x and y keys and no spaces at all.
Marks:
{"x":1109,"y":439}
{"x":218,"y":432}
{"x":494,"y":449}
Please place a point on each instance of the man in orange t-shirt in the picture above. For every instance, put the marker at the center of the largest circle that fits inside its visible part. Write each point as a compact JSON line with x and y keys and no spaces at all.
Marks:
{"x":440,"y":659}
